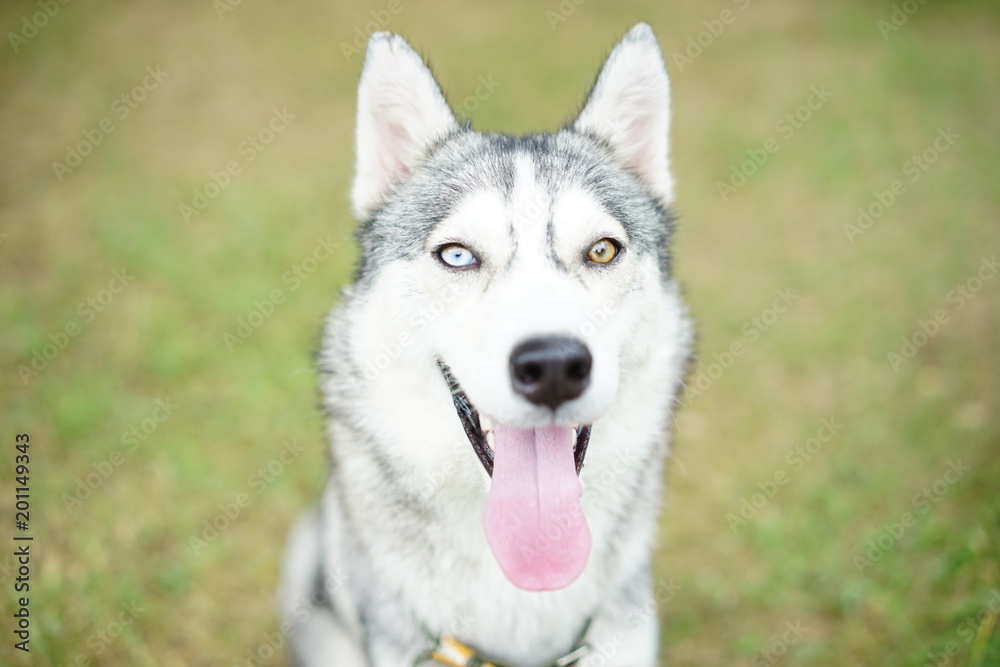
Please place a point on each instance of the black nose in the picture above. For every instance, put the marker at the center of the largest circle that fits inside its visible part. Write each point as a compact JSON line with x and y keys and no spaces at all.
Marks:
{"x":550,"y":371}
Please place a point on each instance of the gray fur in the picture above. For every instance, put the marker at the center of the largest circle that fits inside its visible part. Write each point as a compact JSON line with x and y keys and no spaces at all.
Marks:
{"x":409,"y":554}
{"x":466,"y":161}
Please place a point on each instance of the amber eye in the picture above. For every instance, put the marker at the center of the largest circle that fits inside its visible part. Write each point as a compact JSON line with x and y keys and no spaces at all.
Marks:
{"x":603,"y":251}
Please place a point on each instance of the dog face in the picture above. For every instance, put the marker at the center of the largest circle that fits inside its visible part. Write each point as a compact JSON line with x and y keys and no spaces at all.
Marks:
{"x":527,"y":271}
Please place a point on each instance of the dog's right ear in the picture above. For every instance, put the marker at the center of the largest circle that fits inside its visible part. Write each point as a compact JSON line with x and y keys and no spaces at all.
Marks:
{"x":401,"y":110}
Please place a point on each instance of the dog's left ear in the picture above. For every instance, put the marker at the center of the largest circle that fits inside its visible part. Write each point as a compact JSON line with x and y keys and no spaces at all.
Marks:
{"x":629,"y":107}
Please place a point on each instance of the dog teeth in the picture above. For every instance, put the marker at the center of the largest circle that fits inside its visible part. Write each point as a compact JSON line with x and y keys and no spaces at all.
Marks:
{"x":486,"y":423}
{"x":489,"y":440}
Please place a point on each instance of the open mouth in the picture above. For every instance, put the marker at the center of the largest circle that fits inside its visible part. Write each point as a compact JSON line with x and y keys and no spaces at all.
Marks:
{"x":482,"y":439}
{"x":533,"y":517}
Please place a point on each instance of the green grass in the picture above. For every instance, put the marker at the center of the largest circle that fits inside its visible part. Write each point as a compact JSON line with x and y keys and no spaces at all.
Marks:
{"x":162,"y":336}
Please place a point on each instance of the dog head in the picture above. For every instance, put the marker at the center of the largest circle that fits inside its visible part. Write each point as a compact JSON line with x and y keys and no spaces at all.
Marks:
{"x":528,"y":272}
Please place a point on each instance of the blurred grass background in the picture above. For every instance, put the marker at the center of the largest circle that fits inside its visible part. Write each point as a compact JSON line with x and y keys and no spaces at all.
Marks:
{"x":162,"y":337}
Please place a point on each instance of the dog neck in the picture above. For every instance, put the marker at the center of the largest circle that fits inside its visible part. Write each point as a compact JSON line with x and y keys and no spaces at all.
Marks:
{"x":453,"y":653}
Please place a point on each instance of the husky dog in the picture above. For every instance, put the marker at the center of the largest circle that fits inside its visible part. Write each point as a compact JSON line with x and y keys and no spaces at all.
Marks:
{"x":498,"y":382}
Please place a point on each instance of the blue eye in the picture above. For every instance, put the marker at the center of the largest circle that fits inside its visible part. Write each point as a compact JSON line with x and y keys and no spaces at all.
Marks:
{"x":457,"y":256}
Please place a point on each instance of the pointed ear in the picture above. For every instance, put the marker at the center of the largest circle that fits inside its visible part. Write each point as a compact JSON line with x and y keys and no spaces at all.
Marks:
{"x":629,"y":107}
{"x":401,"y":110}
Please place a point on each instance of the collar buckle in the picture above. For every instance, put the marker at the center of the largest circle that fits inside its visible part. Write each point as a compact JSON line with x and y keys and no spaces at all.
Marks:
{"x":453,"y":653}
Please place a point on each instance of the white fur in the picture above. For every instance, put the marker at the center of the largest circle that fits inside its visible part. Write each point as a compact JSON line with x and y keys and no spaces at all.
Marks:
{"x":415,"y":311}
{"x":400,"y":111}
{"x":644,"y":328}
{"x":630,"y":108}
{"x":527,"y":299}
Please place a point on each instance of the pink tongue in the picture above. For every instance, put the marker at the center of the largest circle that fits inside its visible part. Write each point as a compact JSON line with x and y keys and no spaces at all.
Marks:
{"x":533,"y":519}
